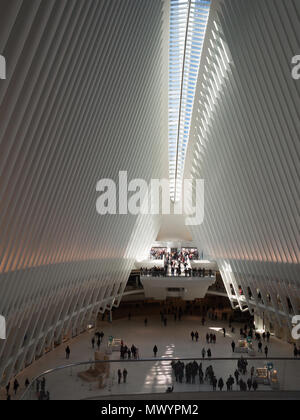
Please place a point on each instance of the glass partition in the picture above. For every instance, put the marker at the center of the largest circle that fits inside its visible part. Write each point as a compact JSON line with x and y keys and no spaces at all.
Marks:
{"x":100,"y":379}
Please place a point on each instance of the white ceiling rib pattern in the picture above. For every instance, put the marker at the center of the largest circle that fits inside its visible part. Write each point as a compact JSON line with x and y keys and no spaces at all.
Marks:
{"x":85,"y":97}
{"x":245,"y":144}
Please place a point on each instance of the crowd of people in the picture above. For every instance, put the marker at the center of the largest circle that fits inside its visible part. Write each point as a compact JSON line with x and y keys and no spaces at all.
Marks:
{"x":40,"y":389}
{"x":16,"y":386}
{"x":175,"y":264}
{"x":191,"y":252}
{"x":157,"y":253}
{"x":176,"y":270}
{"x":192,"y":370}
{"x":186,"y":253}
{"x":97,"y":339}
{"x":189,"y":372}
{"x":42,"y":394}
{"x":128,"y":352}
{"x":122,"y":375}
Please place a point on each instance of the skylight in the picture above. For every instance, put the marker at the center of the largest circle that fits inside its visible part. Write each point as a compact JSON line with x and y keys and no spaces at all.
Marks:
{"x":188,"y":20}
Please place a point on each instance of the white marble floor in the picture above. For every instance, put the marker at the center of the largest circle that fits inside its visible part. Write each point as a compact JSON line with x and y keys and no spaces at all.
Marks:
{"x":154,"y":376}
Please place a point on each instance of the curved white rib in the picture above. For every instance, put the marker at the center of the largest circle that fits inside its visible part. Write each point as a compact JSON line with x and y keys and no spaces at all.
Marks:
{"x":245,"y":144}
{"x":85,"y":97}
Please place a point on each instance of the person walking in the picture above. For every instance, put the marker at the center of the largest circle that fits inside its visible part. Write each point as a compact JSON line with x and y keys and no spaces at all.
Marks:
{"x":214,"y":383}
{"x":93,"y":342}
{"x":230,"y":382}
{"x":266,"y":351}
{"x":295,"y":351}
{"x":221,"y":384}
{"x":209,"y":353}
{"x":37,"y":385}
{"x":203,"y":353}
{"x":237,"y":375}
{"x":16,"y":386}
{"x":260,"y":347}
{"x":125,"y":373}
{"x":119,"y":376}
{"x":224,"y":332}
{"x":192,"y":335}
{"x":255,"y":385}
{"x":133,"y":351}
{"x":233,"y":346}
{"x":197,"y":336}
{"x":155,"y":350}
{"x":43,"y":384}
{"x":68,"y":352}
{"x":98,"y":343}
{"x":7,"y":388}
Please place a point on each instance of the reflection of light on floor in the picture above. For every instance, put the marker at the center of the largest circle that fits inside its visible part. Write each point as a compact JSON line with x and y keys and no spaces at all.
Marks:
{"x":161,"y":373}
{"x":221,"y":330}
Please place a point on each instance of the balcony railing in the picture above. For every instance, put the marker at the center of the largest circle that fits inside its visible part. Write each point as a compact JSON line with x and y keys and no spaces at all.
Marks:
{"x":99,"y":379}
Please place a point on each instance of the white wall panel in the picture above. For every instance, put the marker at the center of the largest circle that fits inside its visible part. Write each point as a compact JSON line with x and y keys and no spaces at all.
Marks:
{"x":85,"y":97}
{"x":244,"y":142}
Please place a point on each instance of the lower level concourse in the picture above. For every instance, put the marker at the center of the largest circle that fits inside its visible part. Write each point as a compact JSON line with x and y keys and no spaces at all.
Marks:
{"x":154,"y":375}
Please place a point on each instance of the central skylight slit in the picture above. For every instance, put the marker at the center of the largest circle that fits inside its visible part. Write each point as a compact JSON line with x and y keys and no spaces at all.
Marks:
{"x":188,"y":20}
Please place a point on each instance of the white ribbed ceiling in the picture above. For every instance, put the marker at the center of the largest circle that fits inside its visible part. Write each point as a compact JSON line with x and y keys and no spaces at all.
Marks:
{"x":244,"y":143}
{"x":85,"y":97}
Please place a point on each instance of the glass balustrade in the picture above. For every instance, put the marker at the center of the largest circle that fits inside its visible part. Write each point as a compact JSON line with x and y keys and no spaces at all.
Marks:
{"x":100,"y":379}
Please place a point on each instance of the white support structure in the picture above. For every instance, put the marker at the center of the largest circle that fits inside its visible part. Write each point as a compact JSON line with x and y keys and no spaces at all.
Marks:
{"x":86,"y":97}
{"x":244,"y":143}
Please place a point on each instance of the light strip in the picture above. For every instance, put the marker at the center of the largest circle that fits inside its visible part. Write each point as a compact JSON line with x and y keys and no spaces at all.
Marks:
{"x":188,"y":20}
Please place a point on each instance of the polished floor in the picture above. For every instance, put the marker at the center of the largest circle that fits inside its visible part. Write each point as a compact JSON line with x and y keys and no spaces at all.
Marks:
{"x":153,"y":376}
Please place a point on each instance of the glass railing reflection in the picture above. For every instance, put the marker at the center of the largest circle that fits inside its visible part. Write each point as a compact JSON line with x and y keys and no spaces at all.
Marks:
{"x":100,"y":379}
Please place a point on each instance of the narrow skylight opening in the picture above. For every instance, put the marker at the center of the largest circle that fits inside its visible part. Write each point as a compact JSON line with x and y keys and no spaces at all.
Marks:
{"x":188,"y":21}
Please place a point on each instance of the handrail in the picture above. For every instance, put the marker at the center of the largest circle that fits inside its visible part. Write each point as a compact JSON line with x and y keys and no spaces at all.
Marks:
{"x":154,"y":359}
